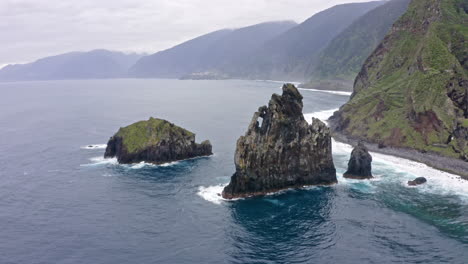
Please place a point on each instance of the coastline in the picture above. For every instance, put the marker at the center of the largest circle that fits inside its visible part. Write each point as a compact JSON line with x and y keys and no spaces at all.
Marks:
{"x":450,"y":165}
{"x":345,"y":93}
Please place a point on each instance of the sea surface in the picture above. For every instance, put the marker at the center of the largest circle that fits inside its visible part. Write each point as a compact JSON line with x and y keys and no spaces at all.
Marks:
{"x":61,"y":202}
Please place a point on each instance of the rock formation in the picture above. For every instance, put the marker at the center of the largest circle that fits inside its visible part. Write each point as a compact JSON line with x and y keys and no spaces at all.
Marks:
{"x":417,"y":181}
{"x":412,"y":92}
{"x":359,"y":165}
{"x":155,"y":141}
{"x":284,"y":151}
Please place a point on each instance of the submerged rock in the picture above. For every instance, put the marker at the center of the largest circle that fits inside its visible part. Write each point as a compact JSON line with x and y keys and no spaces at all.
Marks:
{"x":360,"y":163}
{"x":282,"y":152}
{"x":417,"y":181}
{"x":155,"y":141}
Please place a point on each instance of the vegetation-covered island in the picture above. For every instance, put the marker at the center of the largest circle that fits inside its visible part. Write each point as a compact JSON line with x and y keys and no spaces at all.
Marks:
{"x":155,"y":141}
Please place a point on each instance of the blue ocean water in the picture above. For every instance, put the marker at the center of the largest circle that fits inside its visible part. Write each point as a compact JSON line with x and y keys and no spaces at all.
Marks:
{"x":61,"y":202}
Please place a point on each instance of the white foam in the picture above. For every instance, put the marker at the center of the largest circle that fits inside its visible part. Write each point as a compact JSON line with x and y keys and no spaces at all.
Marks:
{"x":212,"y":193}
{"x":282,"y":82}
{"x":143,"y":164}
{"x":95,"y":146}
{"x":439,"y":182}
{"x":399,"y":170}
{"x":101,"y":161}
{"x":327,"y":91}
{"x":322,"y":115}
{"x":140,"y":165}
{"x":171,"y":163}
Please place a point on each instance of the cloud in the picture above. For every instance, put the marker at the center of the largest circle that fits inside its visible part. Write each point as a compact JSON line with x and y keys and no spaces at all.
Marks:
{"x":32,"y":29}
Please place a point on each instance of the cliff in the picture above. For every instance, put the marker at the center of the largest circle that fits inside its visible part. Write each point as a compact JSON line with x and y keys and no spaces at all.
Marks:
{"x":412,"y":92}
{"x":340,"y":62}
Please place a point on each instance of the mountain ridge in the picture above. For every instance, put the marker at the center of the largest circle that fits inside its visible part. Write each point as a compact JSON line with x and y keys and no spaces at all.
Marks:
{"x":97,"y":63}
{"x":207,"y":52}
{"x":286,"y":53}
{"x":292,"y":55}
{"x":340,"y":62}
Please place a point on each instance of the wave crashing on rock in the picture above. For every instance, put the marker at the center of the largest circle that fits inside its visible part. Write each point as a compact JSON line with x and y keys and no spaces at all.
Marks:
{"x":282,"y":152}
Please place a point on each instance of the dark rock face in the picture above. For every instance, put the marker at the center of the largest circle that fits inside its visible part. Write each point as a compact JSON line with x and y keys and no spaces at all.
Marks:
{"x":282,"y":152}
{"x":360,"y":163}
{"x":155,"y":141}
{"x":417,"y":181}
{"x":427,"y":108}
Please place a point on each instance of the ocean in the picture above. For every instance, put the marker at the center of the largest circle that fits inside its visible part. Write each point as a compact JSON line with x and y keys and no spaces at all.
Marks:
{"x":62,"y":202}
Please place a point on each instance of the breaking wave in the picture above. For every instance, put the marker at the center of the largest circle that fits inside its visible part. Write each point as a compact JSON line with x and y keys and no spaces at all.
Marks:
{"x":327,"y":91}
{"x":400,"y":169}
{"x":212,"y":193}
{"x":388,"y":168}
{"x":322,"y":115}
{"x":143,"y":164}
{"x":96,"y":161}
{"x":95,"y":146}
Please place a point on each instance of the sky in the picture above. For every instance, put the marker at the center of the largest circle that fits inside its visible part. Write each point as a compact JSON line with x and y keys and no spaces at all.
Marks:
{"x":32,"y":29}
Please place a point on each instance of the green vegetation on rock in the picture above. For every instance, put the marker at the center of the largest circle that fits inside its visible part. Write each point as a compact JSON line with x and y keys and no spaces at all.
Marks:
{"x":155,"y":141}
{"x":141,"y":135}
{"x":412,"y":91}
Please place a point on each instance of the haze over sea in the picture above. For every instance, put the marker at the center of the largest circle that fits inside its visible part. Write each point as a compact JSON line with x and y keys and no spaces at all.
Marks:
{"x":61,"y":202}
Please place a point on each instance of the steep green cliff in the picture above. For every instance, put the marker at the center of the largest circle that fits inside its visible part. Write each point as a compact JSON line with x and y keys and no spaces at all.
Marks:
{"x":413,"y":90}
{"x":341,"y":61}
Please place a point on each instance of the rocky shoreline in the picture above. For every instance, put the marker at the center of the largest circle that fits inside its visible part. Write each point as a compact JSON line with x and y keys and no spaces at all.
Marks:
{"x":450,"y":165}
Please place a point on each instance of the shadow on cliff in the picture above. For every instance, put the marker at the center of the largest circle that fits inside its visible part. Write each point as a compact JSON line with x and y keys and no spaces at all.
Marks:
{"x":266,"y":228}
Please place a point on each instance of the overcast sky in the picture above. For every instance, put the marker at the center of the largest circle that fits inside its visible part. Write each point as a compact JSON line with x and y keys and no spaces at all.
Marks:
{"x":31,"y":29}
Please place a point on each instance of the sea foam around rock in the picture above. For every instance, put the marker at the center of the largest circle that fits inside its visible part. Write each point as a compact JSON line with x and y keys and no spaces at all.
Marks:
{"x":397,"y":170}
{"x":402,"y":170}
{"x":95,"y":146}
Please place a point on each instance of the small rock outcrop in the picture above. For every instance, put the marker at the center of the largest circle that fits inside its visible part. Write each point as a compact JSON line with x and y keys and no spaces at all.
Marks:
{"x":417,"y":181}
{"x":155,"y":141}
{"x":283,"y":151}
{"x":360,"y":164}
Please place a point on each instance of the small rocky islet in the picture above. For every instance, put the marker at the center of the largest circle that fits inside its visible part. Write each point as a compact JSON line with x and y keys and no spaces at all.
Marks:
{"x":417,"y":181}
{"x":360,"y":163}
{"x":283,"y":151}
{"x":155,"y":141}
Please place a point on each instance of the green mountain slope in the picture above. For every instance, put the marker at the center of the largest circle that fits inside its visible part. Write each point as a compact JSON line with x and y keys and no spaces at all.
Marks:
{"x":213,"y":52}
{"x":293,"y":54}
{"x":413,"y":90}
{"x":275,"y":50}
{"x":341,"y":61}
